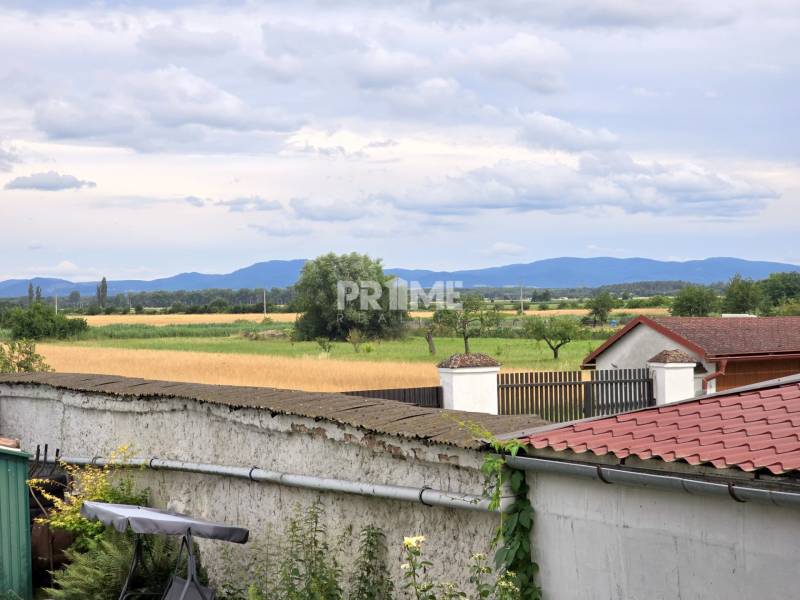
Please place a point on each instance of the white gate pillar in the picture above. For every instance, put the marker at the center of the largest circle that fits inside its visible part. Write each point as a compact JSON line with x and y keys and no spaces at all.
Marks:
{"x":469,"y":382}
{"x":673,"y":376}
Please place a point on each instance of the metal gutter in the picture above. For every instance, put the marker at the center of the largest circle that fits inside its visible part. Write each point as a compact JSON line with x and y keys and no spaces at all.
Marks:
{"x":422,"y":495}
{"x":723,"y":364}
{"x":617,"y":475}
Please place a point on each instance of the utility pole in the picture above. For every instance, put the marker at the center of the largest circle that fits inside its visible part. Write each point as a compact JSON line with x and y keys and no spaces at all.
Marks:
{"x":265,"y":301}
{"x":56,"y":303}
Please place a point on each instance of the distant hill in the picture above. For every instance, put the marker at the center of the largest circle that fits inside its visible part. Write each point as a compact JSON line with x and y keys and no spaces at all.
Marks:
{"x":593,"y":272}
{"x":550,"y":273}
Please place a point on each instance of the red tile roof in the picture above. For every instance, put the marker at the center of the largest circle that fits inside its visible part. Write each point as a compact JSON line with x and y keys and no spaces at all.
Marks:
{"x":720,"y":337}
{"x":751,"y":429}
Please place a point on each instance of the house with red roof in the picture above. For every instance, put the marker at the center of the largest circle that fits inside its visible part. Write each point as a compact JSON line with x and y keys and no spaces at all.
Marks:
{"x":729,"y":351}
{"x":694,"y":499}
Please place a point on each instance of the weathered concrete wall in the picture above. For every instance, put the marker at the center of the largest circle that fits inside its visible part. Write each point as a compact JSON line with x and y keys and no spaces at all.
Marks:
{"x":595,"y":541}
{"x":86,"y":424}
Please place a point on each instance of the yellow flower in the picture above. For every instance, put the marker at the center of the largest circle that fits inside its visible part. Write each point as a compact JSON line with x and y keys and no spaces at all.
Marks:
{"x":405,"y":567}
{"x":413,"y":542}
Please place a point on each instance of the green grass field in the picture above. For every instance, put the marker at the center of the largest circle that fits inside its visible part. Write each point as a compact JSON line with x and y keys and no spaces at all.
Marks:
{"x":514,"y":353}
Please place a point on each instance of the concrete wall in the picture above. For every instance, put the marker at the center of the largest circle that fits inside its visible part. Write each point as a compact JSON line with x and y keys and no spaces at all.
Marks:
{"x":633,"y":350}
{"x":595,"y":541}
{"x":85,"y":424}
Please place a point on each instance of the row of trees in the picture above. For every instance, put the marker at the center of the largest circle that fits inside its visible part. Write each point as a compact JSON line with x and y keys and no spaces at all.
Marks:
{"x":777,"y":294}
{"x":323,"y":319}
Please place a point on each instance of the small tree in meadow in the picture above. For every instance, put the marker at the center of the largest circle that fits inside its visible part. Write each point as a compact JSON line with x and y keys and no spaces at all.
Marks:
{"x":600,"y":306}
{"x":471,"y":320}
{"x":554,"y":331}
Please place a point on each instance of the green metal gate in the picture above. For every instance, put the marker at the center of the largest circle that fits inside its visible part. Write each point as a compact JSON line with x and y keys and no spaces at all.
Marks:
{"x":15,"y":528}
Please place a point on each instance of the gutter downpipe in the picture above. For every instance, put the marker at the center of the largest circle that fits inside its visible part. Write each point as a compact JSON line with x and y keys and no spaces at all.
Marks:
{"x":612,"y":474}
{"x":422,"y":495}
{"x":723,"y":364}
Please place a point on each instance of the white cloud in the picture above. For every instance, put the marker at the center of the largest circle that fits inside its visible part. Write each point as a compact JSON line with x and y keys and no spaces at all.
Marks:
{"x":249,"y":204}
{"x":505,"y":249}
{"x":328,"y":211}
{"x":526,"y":59}
{"x":164,"y":40}
{"x":546,"y":131}
{"x":162,"y":109}
{"x":8,"y":157}
{"x":593,"y":13}
{"x":281,"y":229}
{"x":197,"y":201}
{"x":48,"y":182}
{"x":599,"y":181}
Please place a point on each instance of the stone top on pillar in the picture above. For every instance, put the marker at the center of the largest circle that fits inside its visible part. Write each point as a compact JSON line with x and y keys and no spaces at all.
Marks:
{"x":673,"y":376}
{"x":666,"y":357}
{"x":469,"y":382}
{"x":468,"y":361}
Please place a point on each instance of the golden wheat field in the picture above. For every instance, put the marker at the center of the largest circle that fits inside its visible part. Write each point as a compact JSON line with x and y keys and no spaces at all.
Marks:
{"x":165,"y":319}
{"x":558,"y":312}
{"x":311,"y":374}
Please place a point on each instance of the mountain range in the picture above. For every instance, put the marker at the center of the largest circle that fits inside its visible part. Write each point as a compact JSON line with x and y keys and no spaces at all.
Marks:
{"x":562,"y":272}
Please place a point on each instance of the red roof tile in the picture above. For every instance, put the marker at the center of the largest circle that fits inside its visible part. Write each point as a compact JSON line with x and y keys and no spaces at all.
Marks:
{"x":751,"y":429}
{"x":715,"y":337}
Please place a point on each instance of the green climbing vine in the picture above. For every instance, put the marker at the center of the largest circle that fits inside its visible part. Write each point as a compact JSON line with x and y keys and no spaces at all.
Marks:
{"x":511,"y":542}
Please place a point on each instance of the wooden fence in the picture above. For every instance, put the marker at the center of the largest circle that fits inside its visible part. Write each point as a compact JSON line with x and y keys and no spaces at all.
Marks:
{"x":560,"y":396}
{"x":429,"y":397}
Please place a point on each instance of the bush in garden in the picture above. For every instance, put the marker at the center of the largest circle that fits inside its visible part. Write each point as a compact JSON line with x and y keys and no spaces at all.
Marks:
{"x":303,"y":564}
{"x":99,"y":571}
{"x":97,"y":484}
{"x":20,"y":356}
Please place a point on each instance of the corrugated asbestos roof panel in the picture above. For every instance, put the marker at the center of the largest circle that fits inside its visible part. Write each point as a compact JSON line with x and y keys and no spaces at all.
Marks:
{"x":371,"y":414}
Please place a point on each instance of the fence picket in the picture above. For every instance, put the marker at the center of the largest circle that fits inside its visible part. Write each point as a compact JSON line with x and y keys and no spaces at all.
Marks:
{"x":565,"y":395}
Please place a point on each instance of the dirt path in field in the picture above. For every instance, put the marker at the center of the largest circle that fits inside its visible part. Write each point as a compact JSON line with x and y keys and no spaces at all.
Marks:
{"x":311,"y":374}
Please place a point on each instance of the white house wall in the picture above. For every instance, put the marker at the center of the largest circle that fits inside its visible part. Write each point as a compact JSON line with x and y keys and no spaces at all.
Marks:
{"x":595,"y":541}
{"x":633,"y":350}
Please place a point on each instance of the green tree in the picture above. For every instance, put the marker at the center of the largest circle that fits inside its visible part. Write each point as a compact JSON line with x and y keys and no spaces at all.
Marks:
{"x":74,"y":298}
{"x":600,"y":306}
{"x":102,"y":293}
{"x":781,"y":287}
{"x":694,"y":301}
{"x":38,"y":294}
{"x":30,"y":293}
{"x":41,"y":321}
{"x":20,"y":356}
{"x":554,"y":331}
{"x":742,"y":295}
{"x":790,"y":308}
{"x":471,"y":320}
{"x":321,"y":286}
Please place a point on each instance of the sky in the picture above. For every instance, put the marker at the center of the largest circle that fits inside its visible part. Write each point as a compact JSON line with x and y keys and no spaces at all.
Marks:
{"x":141,"y":139}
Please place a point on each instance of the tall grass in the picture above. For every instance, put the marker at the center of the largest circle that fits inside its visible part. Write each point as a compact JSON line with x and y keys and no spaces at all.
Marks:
{"x":199,"y":330}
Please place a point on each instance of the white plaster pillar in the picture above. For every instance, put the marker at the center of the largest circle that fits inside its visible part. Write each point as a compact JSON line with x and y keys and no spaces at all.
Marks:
{"x":470,"y":388}
{"x":672,"y":381}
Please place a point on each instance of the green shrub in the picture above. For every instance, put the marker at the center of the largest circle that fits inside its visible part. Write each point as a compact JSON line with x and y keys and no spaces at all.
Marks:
{"x":99,"y":572}
{"x":20,"y":356}
{"x":108,"y":483}
{"x":40,"y":321}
